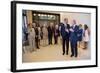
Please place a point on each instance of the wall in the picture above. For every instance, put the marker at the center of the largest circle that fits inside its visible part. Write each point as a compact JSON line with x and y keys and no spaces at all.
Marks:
{"x":5,"y":36}
{"x":81,"y":18}
{"x":29,"y":16}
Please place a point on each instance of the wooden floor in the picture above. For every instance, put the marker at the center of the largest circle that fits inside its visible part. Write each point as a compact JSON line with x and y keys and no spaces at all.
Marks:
{"x":53,"y":53}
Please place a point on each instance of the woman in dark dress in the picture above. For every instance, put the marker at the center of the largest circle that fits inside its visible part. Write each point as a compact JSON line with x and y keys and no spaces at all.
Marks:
{"x":80,"y":34}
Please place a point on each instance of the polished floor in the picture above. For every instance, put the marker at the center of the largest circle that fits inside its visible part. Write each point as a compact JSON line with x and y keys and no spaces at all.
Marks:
{"x":53,"y":53}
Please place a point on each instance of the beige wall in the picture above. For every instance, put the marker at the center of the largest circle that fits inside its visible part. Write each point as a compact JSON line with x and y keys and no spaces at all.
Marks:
{"x":29,"y":16}
{"x":81,"y":18}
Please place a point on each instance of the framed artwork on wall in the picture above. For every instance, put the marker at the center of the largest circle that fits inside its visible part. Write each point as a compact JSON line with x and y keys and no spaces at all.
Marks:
{"x":48,"y":36}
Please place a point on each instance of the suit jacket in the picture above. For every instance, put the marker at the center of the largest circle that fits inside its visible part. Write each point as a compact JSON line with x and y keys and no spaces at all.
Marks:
{"x":50,"y":31}
{"x":64,"y":33}
{"x":36,"y":32}
{"x":74,"y":35}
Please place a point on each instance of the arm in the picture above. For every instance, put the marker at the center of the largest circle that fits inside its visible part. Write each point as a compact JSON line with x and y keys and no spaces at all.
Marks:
{"x":76,"y":29}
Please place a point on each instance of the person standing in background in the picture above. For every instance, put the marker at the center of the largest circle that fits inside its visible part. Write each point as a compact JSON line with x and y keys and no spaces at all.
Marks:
{"x":31,"y":37}
{"x":74,"y":38}
{"x":60,"y":33}
{"x":45,"y":35}
{"x":56,"y":34}
{"x":65,"y":35}
{"x":24,"y":37}
{"x":41,"y":34}
{"x":80,"y":35}
{"x":37,"y":37}
{"x":86,"y":36}
{"x":50,"y":33}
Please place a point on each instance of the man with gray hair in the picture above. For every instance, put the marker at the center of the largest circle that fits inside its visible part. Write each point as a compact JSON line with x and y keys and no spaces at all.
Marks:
{"x":65,"y":35}
{"x":74,"y":38}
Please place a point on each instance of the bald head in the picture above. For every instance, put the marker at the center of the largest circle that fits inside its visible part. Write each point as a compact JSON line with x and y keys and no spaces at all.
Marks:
{"x":74,"y":21}
{"x":66,"y":20}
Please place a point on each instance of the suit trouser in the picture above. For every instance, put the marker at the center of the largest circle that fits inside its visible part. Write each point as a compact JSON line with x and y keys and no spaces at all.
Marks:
{"x":65,"y":42}
{"x":74,"y":48}
{"x":56,"y":39}
{"x":37,"y":42}
{"x":50,"y":39}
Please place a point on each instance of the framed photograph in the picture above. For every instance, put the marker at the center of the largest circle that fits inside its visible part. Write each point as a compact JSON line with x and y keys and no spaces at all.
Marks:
{"x":48,"y":36}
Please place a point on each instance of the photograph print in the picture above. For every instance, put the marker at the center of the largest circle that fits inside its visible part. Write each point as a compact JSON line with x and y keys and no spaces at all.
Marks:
{"x":55,"y":36}
{"x":51,"y":36}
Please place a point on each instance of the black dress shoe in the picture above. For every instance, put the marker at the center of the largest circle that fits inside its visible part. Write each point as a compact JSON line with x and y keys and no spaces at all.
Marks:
{"x":71,"y":55}
{"x":63,"y":53}
{"x":66,"y":53}
{"x":75,"y":55}
{"x":38,"y":48}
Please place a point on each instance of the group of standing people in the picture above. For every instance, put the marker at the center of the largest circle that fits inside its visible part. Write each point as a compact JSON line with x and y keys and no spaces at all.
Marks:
{"x":36,"y":34}
{"x":33,"y":36}
{"x":72,"y":33}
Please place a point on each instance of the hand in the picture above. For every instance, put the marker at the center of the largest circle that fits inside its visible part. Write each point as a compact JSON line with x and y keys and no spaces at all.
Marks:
{"x":66,"y":30}
{"x":71,"y":30}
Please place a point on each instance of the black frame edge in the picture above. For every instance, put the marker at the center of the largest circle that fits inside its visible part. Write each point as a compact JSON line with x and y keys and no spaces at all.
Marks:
{"x":13,"y":36}
{"x":55,"y":4}
{"x":57,"y":68}
{"x":96,"y":36}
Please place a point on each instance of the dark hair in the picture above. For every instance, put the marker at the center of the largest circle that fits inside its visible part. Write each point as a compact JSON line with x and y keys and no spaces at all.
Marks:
{"x":85,"y":27}
{"x":80,"y":25}
{"x":28,"y":24}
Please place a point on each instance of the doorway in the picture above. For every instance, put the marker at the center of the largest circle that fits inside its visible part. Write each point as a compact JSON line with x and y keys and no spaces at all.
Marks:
{"x":45,"y":18}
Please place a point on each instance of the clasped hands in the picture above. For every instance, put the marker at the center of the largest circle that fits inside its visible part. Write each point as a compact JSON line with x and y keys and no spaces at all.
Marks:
{"x":71,"y":30}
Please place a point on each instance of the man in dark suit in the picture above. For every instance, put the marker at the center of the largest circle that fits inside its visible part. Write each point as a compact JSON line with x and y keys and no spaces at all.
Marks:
{"x":74,"y":38}
{"x":37,"y":37}
{"x":50,"y":33}
{"x":65,"y":36}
